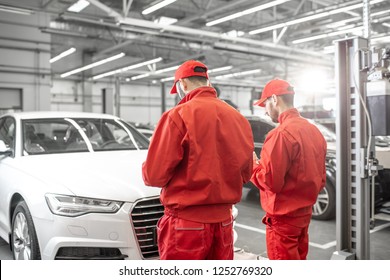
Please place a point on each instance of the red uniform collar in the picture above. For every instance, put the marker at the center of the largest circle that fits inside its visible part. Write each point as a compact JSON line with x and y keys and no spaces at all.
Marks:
{"x":204,"y":91}
{"x":290,"y":113}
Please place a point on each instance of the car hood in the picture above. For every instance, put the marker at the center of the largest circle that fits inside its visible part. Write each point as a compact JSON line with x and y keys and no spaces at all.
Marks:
{"x":111,"y":175}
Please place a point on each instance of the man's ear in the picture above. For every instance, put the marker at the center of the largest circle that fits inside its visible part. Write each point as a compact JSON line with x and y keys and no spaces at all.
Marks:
{"x":275,"y":99}
{"x":184,"y":83}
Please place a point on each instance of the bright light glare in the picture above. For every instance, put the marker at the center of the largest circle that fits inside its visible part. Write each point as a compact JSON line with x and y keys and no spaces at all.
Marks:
{"x":329,"y":103}
{"x":313,"y":81}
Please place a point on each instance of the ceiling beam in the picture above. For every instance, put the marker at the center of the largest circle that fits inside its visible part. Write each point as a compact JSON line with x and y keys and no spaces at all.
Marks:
{"x":45,"y":4}
{"x":275,"y":54}
{"x":126,"y":7}
{"x":284,"y":29}
{"x":205,"y":14}
{"x":103,"y":7}
{"x":208,"y":34}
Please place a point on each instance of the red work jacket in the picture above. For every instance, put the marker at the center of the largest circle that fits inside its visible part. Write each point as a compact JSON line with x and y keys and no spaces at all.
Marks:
{"x":291,"y":171}
{"x":200,"y":154}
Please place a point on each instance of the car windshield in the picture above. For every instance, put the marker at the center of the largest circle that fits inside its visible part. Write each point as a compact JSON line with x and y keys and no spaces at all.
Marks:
{"x":66,"y":135}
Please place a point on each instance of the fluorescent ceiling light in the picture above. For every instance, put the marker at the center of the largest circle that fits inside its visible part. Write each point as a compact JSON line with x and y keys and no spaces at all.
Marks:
{"x":167,"y":79}
{"x":124,"y":69}
{"x":311,"y":38}
{"x":342,"y":23}
{"x":140,"y":76}
{"x":16,"y":10}
{"x":220,"y":69}
{"x":62,"y":55}
{"x":311,"y":17}
{"x":246,"y":12}
{"x":380,"y":13}
{"x":89,"y":66}
{"x":382,"y":38}
{"x":155,"y":72}
{"x":78,"y":6}
{"x":167,"y":69}
{"x":325,"y":35}
{"x":158,"y":6}
{"x":165,"y":20}
{"x":238,"y":74}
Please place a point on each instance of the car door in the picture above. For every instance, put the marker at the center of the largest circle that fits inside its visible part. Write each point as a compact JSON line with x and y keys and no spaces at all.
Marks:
{"x":260,"y":130}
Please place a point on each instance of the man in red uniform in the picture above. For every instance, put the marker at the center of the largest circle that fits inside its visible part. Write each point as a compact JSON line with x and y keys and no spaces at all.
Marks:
{"x":289,"y":174}
{"x":200,"y":155}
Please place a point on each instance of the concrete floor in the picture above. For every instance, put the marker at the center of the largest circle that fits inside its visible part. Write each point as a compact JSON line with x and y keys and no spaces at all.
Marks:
{"x":251,"y":237}
{"x":322,"y":234}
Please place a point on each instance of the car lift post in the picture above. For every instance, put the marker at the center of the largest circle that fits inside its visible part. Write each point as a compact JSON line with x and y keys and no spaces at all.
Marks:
{"x":352,"y":183}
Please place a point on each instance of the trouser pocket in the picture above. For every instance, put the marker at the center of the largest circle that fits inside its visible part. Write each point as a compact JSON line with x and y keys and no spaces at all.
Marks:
{"x":227,"y":232}
{"x":189,"y":235}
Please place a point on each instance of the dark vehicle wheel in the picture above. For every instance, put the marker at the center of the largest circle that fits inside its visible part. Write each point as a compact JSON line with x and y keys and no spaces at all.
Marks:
{"x":325,"y":206}
{"x":24,"y":240}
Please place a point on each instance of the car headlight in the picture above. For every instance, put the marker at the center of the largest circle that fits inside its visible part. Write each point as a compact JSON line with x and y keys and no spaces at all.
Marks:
{"x":73,"y":206}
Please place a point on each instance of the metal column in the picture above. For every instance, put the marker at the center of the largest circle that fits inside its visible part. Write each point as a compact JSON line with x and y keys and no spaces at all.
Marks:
{"x":117,"y":97}
{"x":352,"y":184}
{"x":86,"y":83}
{"x":163,"y":103}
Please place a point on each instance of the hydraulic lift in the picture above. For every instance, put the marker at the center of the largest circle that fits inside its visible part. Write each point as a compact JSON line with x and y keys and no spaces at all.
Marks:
{"x":363,"y":91}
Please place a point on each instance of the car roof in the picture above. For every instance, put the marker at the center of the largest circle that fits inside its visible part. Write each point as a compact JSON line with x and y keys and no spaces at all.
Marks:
{"x":57,"y":114}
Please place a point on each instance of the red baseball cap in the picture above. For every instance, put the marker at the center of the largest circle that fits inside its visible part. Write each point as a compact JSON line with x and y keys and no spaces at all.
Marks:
{"x":277,"y":87}
{"x":189,"y":68}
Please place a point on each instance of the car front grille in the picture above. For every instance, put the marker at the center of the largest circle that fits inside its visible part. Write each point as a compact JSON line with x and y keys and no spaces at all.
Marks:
{"x":89,"y":253}
{"x":144,"y":216}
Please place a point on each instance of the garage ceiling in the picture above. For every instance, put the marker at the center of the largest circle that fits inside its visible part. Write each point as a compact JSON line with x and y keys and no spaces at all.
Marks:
{"x":263,"y":39}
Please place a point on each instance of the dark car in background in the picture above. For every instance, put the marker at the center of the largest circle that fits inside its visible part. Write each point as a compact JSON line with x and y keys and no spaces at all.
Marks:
{"x":325,"y":207}
{"x":319,"y":114}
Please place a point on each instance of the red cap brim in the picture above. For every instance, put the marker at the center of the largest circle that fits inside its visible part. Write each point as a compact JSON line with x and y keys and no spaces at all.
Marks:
{"x":173,"y":89}
{"x":260,"y":102}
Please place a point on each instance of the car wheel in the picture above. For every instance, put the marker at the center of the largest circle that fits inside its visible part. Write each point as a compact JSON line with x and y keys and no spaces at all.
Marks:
{"x":325,"y":206}
{"x":24,"y":241}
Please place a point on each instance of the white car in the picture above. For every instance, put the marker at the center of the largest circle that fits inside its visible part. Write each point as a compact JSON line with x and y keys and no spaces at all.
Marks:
{"x":71,"y":188}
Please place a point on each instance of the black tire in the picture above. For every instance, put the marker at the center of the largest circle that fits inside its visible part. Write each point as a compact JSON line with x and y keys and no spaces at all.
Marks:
{"x":325,"y":207}
{"x":24,"y":241}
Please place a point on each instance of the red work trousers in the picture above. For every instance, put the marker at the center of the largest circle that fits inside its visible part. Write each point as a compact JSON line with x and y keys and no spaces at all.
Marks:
{"x":180,"y":239}
{"x":287,"y":238}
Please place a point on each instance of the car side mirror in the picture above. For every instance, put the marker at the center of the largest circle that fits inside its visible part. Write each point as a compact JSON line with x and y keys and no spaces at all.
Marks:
{"x":4,"y":150}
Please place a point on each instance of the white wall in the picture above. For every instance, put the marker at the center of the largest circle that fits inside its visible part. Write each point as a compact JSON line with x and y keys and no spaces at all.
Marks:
{"x":24,"y":56}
